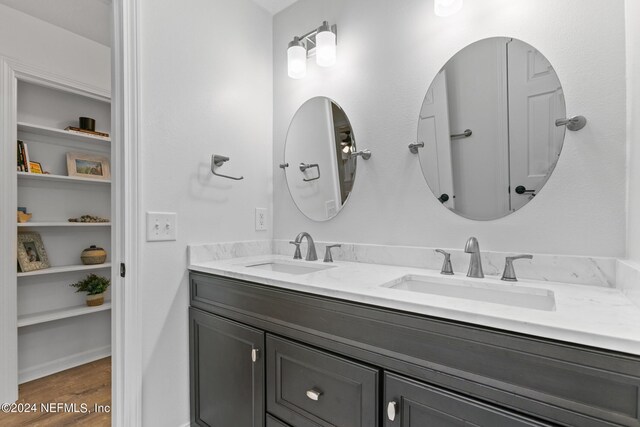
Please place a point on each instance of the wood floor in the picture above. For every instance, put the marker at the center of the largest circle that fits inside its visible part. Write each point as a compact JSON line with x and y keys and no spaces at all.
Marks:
{"x":87,"y":385}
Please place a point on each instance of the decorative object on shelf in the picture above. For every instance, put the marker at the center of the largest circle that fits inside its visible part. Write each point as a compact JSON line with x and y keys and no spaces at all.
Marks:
{"x":89,"y":218}
{"x":95,"y":286}
{"x":93,"y":255}
{"x":23,"y":215}
{"x":87,"y":123}
{"x":73,"y":129}
{"x":35,"y":167}
{"x":88,"y":166}
{"x":31,"y":253}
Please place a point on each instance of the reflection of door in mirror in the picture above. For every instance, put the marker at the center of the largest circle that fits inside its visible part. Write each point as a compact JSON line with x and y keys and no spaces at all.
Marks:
{"x":535,"y":102}
{"x":477,"y":91}
{"x":435,"y":156}
{"x":509,"y":96}
{"x":344,"y":147}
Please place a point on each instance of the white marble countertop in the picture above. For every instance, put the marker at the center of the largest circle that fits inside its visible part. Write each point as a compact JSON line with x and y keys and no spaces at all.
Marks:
{"x":593,"y":316}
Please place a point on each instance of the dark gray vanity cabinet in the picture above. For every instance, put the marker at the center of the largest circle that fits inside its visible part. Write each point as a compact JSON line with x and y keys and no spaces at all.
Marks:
{"x":355,"y":359}
{"x":227,"y":372}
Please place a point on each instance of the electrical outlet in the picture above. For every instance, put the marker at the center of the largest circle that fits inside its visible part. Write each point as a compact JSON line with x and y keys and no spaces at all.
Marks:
{"x":161,"y":226}
{"x":261,"y":219}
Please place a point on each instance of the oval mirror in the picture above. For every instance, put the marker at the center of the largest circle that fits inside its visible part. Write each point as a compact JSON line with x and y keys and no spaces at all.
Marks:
{"x":319,"y":167}
{"x":488,"y":128}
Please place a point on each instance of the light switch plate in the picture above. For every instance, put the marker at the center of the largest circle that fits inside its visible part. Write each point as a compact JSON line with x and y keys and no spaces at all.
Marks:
{"x":261,"y":219}
{"x":162,"y":226}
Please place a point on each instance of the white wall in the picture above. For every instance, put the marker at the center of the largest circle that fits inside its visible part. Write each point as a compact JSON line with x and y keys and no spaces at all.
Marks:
{"x":633,"y":138}
{"x":206,"y":87}
{"x":38,"y":43}
{"x":388,"y":54}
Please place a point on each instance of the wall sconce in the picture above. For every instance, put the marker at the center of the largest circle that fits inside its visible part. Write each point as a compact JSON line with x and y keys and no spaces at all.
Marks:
{"x":447,"y":7}
{"x":321,"y":43}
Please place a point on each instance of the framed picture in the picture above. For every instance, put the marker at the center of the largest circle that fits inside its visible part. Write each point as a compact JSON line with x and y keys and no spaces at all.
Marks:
{"x":31,"y":253}
{"x":88,"y":166}
{"x":35,"y":167}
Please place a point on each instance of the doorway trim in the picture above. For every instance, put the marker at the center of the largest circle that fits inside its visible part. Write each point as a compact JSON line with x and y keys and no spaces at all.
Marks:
{"x":126,"y":319}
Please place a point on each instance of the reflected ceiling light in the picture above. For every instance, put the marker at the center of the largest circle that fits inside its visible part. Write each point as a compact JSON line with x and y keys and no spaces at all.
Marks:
{"x":447,"y":7}
{"x":321,"y":42}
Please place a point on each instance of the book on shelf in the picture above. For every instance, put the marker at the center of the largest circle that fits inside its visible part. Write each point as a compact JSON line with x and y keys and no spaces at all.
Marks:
{"x":23,"y":157}
{"x":80,"y":131}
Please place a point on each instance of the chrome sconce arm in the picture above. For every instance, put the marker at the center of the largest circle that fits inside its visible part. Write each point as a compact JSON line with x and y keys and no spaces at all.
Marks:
{"x":574,"y":123}
{"x":216,"y":162}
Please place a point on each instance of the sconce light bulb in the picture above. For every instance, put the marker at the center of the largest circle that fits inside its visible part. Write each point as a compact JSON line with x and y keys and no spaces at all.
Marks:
{"x":297,"y":59}
{"x":325,"y":46}
{"x":446,"y":8}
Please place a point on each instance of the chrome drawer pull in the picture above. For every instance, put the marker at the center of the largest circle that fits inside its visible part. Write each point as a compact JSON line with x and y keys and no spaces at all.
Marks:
{"x":392,"y":410}
{"x":255,"y":353}
{"x":314,"y":394}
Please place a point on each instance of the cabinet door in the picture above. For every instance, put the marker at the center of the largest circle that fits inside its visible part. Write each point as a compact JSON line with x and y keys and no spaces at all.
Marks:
{"x":409,"y":403}
{"x":227,"y":372}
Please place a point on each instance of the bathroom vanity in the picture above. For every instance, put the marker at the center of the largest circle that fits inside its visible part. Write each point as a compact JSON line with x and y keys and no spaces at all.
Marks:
{"x":288,"y":349}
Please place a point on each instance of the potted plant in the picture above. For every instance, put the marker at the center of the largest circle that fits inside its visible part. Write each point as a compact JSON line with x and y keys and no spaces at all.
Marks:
{"x":94,"y":286}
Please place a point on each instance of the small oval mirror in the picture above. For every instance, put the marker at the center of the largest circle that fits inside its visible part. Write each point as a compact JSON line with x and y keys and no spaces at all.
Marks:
{"x":488,"y":128}
{"x":319,"y":165}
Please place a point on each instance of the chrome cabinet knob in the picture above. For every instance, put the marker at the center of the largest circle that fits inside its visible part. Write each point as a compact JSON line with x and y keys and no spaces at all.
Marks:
{"x":314,"y":394}
{"x":392,"y":410}
{"x":255,"y":354}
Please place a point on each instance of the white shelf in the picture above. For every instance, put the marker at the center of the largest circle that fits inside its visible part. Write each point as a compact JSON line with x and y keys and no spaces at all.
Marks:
{"x":65,"y":269}
{"x":50,"y":316}
{"x":59,"y":133}
{"x":60,"y":178}
{"x":63,"y":224}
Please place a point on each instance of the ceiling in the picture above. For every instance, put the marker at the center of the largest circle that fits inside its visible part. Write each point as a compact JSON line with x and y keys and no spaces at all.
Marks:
{"x":275,"y":6}
{"x":92,"y":18}
{"x":87,"y":18}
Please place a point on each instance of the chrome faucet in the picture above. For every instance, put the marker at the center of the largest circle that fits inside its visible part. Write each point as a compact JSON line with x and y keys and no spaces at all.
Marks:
{"x":475,"y":265}
{"x":311,"y":246}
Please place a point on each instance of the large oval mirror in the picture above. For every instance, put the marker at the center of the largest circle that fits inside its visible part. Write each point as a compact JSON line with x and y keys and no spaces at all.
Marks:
{"x":319,"y":167}
{"x":488,"y":128}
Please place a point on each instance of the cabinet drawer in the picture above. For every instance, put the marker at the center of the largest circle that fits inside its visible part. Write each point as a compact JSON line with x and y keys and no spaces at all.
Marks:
{"x":307,"y":387}
{"x":274,"y":422}
{"x":409,"y":403}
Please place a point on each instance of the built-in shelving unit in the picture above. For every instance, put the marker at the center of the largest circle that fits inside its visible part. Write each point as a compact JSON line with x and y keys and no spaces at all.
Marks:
{"x":65,"y":269}
{"x":54,"y":323}
{"x":64,"y":313}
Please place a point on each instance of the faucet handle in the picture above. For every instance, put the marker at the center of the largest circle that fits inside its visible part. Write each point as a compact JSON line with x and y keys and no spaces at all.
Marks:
{"x":297,"y":254}
{"x":327,"y":253}
{"x":509,"y":274}
{"x":447,"y":269}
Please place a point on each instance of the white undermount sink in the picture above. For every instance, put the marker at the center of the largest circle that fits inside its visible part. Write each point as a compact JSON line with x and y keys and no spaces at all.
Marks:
{"x":289,"y":267}
{"x":510,"y":295}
